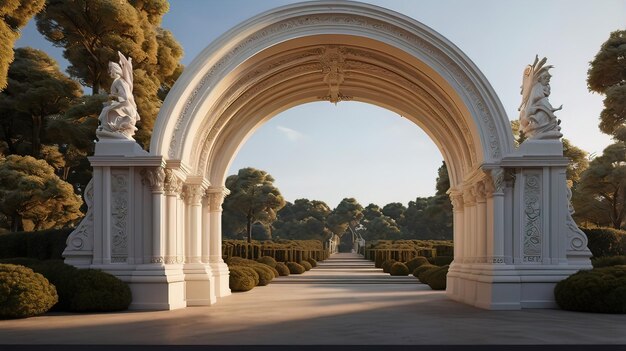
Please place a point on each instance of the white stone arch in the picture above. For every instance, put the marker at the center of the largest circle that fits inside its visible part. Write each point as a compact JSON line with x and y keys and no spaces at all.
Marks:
{"x":505,"y":258}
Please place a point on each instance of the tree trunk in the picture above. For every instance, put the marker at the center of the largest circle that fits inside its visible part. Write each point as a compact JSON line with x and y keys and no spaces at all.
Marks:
{"x":16,"y":223}
{"x":249,"y":226}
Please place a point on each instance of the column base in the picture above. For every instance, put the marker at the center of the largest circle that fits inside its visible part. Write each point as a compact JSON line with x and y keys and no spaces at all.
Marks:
{"x":200,"y":286}
{"x":505,"y":287}
{"x":221,"y":275}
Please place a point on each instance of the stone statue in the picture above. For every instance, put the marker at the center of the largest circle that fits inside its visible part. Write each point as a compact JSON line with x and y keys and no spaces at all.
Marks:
{"x":119,"y":115}
{"x":537,"y":119}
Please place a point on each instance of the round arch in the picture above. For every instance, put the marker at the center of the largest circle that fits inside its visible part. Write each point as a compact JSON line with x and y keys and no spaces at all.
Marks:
{"x":513,"y":232}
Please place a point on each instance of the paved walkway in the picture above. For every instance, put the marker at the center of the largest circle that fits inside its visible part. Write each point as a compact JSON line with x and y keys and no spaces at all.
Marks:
{"x":344,"y":301}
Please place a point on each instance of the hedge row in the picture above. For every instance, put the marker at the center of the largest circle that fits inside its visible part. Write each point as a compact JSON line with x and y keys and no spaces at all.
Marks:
{"x":600,"y":290}
{"x":421,"y":268}
{"x":405,"y":250}
{"x":280,"y":250}
{"x":245,"y":274}
{"x":42,"y":245}
{"x":606,"y":241}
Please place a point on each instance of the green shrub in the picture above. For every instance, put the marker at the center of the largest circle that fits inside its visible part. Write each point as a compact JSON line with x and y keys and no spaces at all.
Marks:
{"x":436,"y":277}
{"x":601,"y":290}
{"x":399,"y":268}
{"x":242,"y":278}
{"x":312,"y":261}
{"x":387,"y":265}
{"x":99,"y":291}
{"x":295,"y":268}
{"x":42,"y":245}
{"x":24,"y":293}
{"x":419,"y":271}
{"x":274,"y":271}
{"x":416,"y":262}
{"x":232,"y":261}
{"x":265,"y":274}
{"x":441,"y":260}
{"x":606,"y":241}
{"x":608,"y":261}
{"x":307,"y":266}
{"x":268,"y":260}
{"x":282,"y":269}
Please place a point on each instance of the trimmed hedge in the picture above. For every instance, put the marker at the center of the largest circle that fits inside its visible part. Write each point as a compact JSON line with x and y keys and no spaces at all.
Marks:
{"x":441,"y":260}
{"x":265,"y":274}
{"x":312,"y":261}
{"x":416,"y":262}
{"x":42,"y":245}
{"x":307,"y":266}
{"x":419,"y":271}
{"x":601,"y":290}
{"x":268,"y":260}
{"x":24,"y":293}
{"x":282,"y":269}
{"x":606,"y":241}
{"x":242,"y":278}
{"x":387,"y":265}
{"x":295,"y":268}
{"x":436,"y":278}
{"x":99,"y":291}
{"x":608,"y":261}
{"x":399,"y":268}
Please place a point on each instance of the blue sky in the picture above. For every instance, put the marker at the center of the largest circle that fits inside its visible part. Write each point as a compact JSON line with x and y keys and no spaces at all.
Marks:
{"x":327,"y":152}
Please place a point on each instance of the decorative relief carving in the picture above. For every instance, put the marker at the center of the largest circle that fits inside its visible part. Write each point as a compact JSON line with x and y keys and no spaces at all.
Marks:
{"x":154,"y":178}
{"x":532,"y":235}
{"x":497,"y":179}
{"x":194,"y":194}
{"x":332,"y":61}
{"x":480,"y":191}
{"x":119,"y":216}
{"x":81,"y":239}
{"x":577,"y":239}
{"x":216,"y":197}
{"x":172,"y":184}
{"x":457,"y":200}
{"x":370,"y":24}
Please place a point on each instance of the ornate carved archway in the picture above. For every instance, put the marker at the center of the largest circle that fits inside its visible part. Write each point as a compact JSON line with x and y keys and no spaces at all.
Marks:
{"x":514,"y":237}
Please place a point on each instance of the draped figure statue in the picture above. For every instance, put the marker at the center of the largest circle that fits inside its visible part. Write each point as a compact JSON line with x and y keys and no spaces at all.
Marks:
{"x":119,"y":115}
{"x":537,"y":119}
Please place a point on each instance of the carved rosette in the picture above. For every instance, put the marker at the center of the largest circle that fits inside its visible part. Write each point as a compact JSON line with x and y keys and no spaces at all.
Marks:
{"x":216,"y":197}
{"x":172,"y":185}
{"x":154,"y":178}
{"x":119,"y":216}
{"x":532,"y":238}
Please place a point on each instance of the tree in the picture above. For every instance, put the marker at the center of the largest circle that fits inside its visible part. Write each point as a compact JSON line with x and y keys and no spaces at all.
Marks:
{"x":304,"y":219}
{"x":578,"y":162}
{"x":30,"y":192}
{"x":395,"y":211}
{"x":607,"y":75}
{"x":254,"y":197}
{"x":382,"y":228}
{"x":346,"y":215}
{"x":371,"y":211}
{"x":443,"y":180}
{"x":92,"y":31}
{"x":601,"y":193}
{"x":14,"y":14}
{"x":37,"y":89}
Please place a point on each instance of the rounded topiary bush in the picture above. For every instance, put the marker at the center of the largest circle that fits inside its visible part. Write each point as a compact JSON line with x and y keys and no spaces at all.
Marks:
{"x":242,"y":278}
{"x":606,"y":241}
{"x":24,"y":293}
{"x":399,"y":268}
{"x":312,"y":261}
{"x":295,"y":268}
{"x":282,"y":269}
{"x":265,"y":274}
{"x":62,"y":276}
{"x":240,"y":261}
{"x":442,"y":260}
{"x":601,"y":290}
{"x":99,"y":291}
{"x":387,"y":265}
{"x":274,"y":271}
{"x":437,"y":277}
{"x":307,"y":266}
{"x":608,"y":261}
{"x":268,"y":260}
{"x":420,"y":271}
{"x":416,"y":262}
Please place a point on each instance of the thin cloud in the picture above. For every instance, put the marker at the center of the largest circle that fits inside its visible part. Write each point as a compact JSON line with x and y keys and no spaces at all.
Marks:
{"x":291,"y":134}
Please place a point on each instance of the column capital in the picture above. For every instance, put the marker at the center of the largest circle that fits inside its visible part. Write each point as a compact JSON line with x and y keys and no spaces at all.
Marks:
{"x":153,"y":177}
{"x":173,"y":185}
{"x":193,"y":193}
{"x":480,"y":191}
{"x":456,"y":197}
{"x":216,"y":195}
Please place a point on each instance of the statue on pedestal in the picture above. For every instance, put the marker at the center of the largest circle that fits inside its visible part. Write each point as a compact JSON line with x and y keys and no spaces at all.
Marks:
{"x":119,"y":115}
{"x":537,"y":119}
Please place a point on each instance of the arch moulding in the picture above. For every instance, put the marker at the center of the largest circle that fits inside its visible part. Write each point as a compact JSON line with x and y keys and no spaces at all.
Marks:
{"x":155,"y":218}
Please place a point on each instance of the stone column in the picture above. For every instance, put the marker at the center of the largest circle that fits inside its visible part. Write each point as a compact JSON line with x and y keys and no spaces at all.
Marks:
{"x":219,"y":269}
{"x":456,"y":197}
{"x":154,"y":178}
{"x":200,"y":286}
{"x":480,"y":237}
{"x":173,"y":187}
{"x":495,"y":219}
{"x":468,"y":221}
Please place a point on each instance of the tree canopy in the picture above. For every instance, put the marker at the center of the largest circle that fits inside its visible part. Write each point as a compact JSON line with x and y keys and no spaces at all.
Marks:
{"x":32,"y":194}
{"x":14,"y":14}
{"x":607,"y":76}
